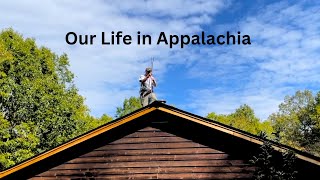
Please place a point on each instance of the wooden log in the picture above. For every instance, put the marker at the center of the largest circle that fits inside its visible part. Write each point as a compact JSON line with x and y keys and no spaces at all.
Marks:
{"x":150,"y":158}
{"x":150,"y":129}
{"x":172,"y":139}
{"x":149,"y":134}
{"x":141,"y":146}
{"x":138,"y":152}
{"x":197,"y":163}
{"x":165,"y":176}
{"x":154,"y":170}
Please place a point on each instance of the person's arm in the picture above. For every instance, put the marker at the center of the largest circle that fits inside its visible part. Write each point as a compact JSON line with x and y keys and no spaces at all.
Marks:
{"x":154,"y":81}
{"x":144,"y":78}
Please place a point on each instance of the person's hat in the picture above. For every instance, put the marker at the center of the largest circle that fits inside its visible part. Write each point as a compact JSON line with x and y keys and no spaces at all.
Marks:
{"x":148,"y":69}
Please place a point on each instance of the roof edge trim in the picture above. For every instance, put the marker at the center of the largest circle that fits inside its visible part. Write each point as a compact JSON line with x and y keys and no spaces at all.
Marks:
{"x":232,"y":132}
{"x":76,"y":141}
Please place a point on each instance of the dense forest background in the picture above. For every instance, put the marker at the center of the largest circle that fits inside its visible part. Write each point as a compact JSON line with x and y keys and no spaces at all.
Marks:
{"x":40,"y":107}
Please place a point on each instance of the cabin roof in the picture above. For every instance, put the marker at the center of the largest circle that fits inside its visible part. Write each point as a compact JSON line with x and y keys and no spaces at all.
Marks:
{"x":162,"y":109}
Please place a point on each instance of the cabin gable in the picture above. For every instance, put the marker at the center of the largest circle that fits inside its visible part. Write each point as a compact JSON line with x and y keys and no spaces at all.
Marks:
{"x":152,"y":153}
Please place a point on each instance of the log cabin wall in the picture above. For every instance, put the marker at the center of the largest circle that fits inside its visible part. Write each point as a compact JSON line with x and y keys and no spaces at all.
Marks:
{"x":151,"y":153}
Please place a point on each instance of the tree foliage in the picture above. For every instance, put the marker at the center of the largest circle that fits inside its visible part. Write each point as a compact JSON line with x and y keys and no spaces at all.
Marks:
{"x":268,"y":167}
{"x":129,"y":105}
{"x":89,"y":122}
{"x":297,"y":123}
{"x":243,"y":118}
{"x":40,"y":107}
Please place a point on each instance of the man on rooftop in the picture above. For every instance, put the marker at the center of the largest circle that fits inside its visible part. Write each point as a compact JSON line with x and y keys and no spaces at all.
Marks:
{"x":148,"y":82}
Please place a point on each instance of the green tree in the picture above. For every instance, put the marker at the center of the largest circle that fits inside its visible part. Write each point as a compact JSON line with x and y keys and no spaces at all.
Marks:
{"x":268,"y":167}
{"x":243,"y":118}
{"x":264,"y":163}
{"x":225,"y":119}
{"x":308,"y":131}
{"x":297,"y":122}
{"x":40,"y":107}
{"x":129,"y":105}
{"x":89,"y":122}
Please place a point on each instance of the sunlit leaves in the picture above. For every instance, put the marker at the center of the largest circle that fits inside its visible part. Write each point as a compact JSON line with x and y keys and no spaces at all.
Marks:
{"x":40,"y":106}
{"x":129,"y":105}
{"x":298,"y":121}
{"x":243,"y":118}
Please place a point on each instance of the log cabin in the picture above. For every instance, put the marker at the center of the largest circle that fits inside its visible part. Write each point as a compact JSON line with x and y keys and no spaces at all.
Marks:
{"x":157,"y":142}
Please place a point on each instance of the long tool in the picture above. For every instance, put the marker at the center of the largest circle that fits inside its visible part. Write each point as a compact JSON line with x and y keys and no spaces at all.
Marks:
{"x":152,"y":60}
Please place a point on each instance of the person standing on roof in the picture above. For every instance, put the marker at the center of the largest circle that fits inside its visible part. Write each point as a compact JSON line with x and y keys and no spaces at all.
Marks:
{"x":148,"y":82}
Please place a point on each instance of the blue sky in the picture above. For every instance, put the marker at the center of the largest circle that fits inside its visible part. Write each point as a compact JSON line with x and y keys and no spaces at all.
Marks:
{"x":284,"y":55}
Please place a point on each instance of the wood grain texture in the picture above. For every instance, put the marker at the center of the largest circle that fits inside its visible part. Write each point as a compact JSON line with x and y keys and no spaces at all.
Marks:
{"x":150,"y":153}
